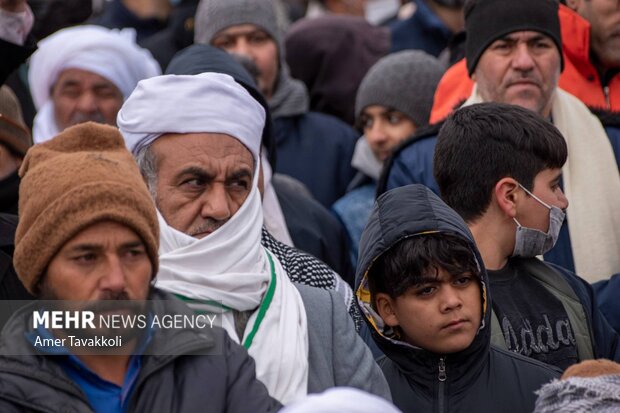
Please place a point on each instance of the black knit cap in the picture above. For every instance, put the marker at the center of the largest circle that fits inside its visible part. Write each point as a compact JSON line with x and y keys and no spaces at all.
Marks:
{"x":489,"y":20}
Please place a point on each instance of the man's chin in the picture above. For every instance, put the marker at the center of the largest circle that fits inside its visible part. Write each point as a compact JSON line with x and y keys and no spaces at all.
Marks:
{"x":528,"y":102}
{"x":202,"y":235}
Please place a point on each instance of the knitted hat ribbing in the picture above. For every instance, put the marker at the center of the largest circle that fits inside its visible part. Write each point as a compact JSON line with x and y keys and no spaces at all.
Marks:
{"x":212,"y":16}
{"x":489,"y":20}
{"x":405,"y":81}
{"x":83,"y":176}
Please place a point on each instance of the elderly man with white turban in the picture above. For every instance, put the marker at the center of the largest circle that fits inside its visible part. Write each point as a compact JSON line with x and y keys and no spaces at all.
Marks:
{"x":84,"y":73}
{"x":198,"y":139}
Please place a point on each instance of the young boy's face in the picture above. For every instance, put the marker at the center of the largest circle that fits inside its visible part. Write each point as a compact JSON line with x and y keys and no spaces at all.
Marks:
{"x":441,"y":315}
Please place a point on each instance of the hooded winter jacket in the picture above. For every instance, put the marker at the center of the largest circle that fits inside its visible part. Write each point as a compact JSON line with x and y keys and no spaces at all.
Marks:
{"x":480,"y":378}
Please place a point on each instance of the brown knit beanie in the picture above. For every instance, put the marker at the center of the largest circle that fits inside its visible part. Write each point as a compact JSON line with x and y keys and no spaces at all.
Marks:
{"x":592,"y":368}
{"x":13,"y":130}
{"x":83,"y":176}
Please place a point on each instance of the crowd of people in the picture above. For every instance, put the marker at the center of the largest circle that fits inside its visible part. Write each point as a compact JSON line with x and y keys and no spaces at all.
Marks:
{"x":387,"y":205}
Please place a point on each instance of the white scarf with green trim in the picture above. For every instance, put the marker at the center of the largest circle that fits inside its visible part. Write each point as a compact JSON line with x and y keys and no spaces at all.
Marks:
{"x":230,"y":267}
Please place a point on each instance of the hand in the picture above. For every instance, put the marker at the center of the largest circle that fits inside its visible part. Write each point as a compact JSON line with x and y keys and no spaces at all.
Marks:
{"x":13,"y":6}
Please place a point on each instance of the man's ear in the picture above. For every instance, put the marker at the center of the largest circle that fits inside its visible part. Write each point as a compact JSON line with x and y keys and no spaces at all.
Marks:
{"x":506,"y":196}
{"x":385,"y":308}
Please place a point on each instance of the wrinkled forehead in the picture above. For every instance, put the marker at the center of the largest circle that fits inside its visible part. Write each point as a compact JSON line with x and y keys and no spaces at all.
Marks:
{"x":72,"y":76}
{"x":204,"y":149}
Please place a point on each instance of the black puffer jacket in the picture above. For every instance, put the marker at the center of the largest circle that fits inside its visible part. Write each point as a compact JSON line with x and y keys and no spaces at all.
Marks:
{"x":481,"y":378}
{"x":168,"y":383}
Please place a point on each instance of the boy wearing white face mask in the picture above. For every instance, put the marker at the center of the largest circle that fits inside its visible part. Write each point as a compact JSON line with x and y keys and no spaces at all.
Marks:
{"x":499,"y":166}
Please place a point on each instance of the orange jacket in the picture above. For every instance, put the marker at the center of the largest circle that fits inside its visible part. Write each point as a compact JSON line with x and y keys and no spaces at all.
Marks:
{"x":579,"y":77}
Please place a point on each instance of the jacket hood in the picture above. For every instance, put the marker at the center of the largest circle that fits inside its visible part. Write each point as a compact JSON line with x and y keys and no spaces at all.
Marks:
{"x":202,"y":58}
{"x":331,"y":54}
{"x":412,"y":210}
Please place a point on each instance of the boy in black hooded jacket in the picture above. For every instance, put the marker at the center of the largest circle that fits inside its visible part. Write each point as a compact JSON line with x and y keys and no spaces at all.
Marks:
{"x":423,"y":291}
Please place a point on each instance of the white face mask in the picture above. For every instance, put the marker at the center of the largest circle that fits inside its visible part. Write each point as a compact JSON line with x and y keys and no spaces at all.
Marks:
{"x":378,"y":11}
{"x":530,"y":242}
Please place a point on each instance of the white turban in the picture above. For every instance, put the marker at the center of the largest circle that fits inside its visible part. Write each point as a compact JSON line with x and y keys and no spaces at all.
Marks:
{"x":341,"y":400}
{"x":204,"y":103}
{"x":111,"y":54}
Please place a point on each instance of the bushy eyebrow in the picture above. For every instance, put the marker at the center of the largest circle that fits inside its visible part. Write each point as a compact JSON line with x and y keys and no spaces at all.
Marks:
{"x":240,"y":174}
{"x":431,"y":279}
{"x":195,"y":171}
{"x":90,"y":247}
{"x":509,"y":39}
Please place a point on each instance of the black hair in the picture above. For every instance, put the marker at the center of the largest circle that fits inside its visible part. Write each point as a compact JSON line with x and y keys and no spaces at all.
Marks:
{"x":480,"y":144}
{"x":412,"y":259}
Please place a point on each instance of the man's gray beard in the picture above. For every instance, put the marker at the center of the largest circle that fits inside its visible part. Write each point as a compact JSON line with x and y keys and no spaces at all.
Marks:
{"x":209,"y":224}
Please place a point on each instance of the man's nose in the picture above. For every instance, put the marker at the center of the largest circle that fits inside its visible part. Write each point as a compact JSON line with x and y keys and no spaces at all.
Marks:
{"x":241,"y":47}
{"x":215,"y":203}
{"x":376,"y":133}
{"x":86,"y":102}
{"x":522,"y":58}
{"x":114,"y":277}
{"x":450,"y":298}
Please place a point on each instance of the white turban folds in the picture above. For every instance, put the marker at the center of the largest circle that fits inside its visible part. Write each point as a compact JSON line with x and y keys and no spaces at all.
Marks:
{"x":204,"y":103}
{"x":111,"y":54}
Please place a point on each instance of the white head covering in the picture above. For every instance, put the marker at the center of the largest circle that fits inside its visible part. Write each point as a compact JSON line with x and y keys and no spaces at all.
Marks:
{"x":341,"y":400}
{"x":111,"y":54}
{"x":208,"y":102}
{"x":228,"y":266}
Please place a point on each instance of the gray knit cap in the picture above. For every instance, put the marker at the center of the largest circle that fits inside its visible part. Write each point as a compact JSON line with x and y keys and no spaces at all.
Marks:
{"x":405,"y":81}
{"x":212,"y":16}
{"x":580,"y":394}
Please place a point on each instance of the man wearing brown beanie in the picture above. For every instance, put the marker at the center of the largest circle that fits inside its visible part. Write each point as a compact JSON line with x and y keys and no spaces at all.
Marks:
{"x":88,"y":231}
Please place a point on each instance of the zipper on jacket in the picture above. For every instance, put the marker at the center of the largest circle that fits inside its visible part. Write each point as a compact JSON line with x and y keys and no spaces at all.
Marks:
{"x":442,"y":379}
{"x":442,"y":369}
{"x":607,"y":102}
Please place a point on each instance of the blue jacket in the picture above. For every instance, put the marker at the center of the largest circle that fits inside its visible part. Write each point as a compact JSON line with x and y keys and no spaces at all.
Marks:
{"x":117,"y":16}
{"x":353,"y":210}
{"x":422,"y":31}
{"x":607,"y":297}
{"x":316,"y":149}
{"x":412,"y":163}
